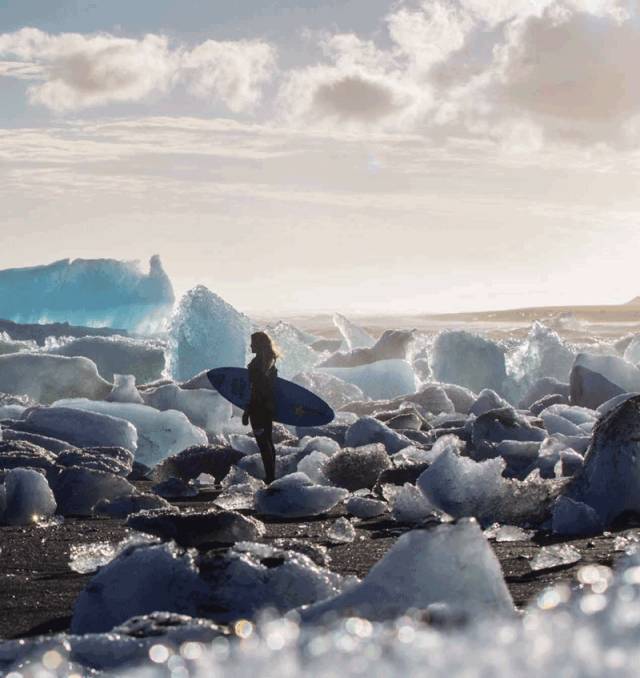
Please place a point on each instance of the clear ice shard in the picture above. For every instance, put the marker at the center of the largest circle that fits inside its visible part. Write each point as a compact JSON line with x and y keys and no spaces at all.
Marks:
{"x":341,"y":532}
{"x":206,"y":332}
{"x":557,"y":555}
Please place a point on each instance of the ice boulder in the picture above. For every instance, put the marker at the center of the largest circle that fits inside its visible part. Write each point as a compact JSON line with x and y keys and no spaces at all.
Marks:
{"x":462,"y":398}
{"x":204,"y":408}
{"x":380,"y":380}
{"x":198,"y":527}
{"x":160,"y":434}
{"x":610,"y":480}
{"x":542,"y":354}
{"x":466,"y":359}
{"x":47,"y":378}
{"x":333,"y":390}
{"x":139,"y":581}
{"x":216,"y":460}
{"x":357,"y":468}
{"x":144,"y":359}
{"x":94,"y":292}
{"x":632,"y":352}
{"x":9,"y":345}
{"x":124,"y":390}
{"x":446,"y":564}
{"x":598,"y":378}
{"x":392,"y":345}
{"x":77,"y":490}
{"x":493,"y":427}
{"x":28,"y":497}
{"x":295,"y":496}
{"x":124,"y":506}
{"x":353,"y":335}
{"x":368,"y":430}
{"x":365,"y":507}
{"x":461,"y":487}
{"x":252,"y":577}
{"x":295,"y":354}
{"x":114,"y":460}
{"x":573,"y":518}
{"x":206,"y":332}
{"x":541,"y":388}
{"x":486,"y":401}
{"x":82,"y":428}
{"x":409,"y":505}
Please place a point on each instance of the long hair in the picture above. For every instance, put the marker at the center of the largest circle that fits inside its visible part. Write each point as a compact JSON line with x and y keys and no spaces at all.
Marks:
{"x":265,"y":349}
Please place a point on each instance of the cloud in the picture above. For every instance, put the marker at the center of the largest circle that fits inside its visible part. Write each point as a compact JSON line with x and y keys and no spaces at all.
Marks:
{"x":75,"y":71}
{"x":231,"y":71}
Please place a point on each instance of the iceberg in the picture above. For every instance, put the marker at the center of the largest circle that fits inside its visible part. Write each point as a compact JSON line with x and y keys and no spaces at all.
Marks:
{"x":206,"y":332}
{"x":382,"y":380}
{"x":90,"y":292}
{"x":353,"y":336}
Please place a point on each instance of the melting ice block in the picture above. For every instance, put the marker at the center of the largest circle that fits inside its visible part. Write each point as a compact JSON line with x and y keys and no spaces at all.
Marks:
{"x":358,"y":467}
{"x":598,"y":378}
{"x":368,"y":430}
{"x":341,"y":532}
{"x":46,"y":378}
{"x":28,"y":497}
{"x":144,"y":359}
{"x":450,"y":564}
{"x":160,"y":434}
{"x":90,"y":292}
{"x":295,"y":496}
{"x":124,"y":390}
{"x":333,"y":390}
{"x":295,"y":354}
{"x":469,"y":360}
{"x":409,"y":505}
{"x":77,"y":490}
{"x":206,"y":332}
{"x":82,"y":428}
{"x":610,"y":480}
{"x":557,"y":555}
{"x":140,"y":580}
{"x":381,"y":380}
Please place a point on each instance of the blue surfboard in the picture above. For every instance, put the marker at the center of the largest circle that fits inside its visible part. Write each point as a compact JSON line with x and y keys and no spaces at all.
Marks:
{"x":295,"y":405}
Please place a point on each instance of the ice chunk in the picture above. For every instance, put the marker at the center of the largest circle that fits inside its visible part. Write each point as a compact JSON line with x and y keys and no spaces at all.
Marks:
{"x":495,"y":426}
{"x":83,"y":429}
{"x":466,"y":359}
{"x":240,"y":491}
{"x":77,"y":490}
{"x":9,"y":345}
{"x":598,"y":378}
{"x":632,"y":352}
{"x":462,"y":487}
{"x":336,"y":392}
{"x":160,"y":434}
{"x":190,"y":463}
{"x":93,"y":292}
{"x":409,"y":505}
{"x":614,"y":402}
{"x":352,"y":335}
{"x":313,"y":465}
{"x":357,"y":468}
{"x":295,"y":496}
{"x":198,"y":527}
{"x":295,"y":354}
{"x":46,"y":378}
{"x":142,"y":579}
{"x":542,"y":354}
{"x":379,"y":380}
{"x":175,"y":488}
{"x":86,"y":558}
{"x":487,"y":400}
{"x":542,"y":388}
{"x":573,"y":518}
{"x":365,"y":507}
{"x":610,"y":482}
{"x":341,"y":532}
{"x":507,"y":533}
{"x":368,"y":430}
{"x":558,"y":555}
{"x":124,"y":390}
{"x":28,"y":497}
{"x":206,"y":409}
{"x":206,"y":332}
{"x":251,"y":577}
{"x":322,"y":444}
{"x":392,"y":345}
{"x":144,"y":359}
{"x":451,"y":564}
{"x":122,"y":507}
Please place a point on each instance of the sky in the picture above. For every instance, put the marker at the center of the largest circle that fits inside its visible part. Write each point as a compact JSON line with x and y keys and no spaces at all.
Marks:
{"x":306,"y":156}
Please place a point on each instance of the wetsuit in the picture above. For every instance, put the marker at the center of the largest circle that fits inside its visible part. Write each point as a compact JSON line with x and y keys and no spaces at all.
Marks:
{"x":261,"y":410}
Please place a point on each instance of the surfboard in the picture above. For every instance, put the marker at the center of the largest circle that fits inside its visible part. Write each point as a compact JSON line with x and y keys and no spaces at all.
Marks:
{"x":295,"y":405}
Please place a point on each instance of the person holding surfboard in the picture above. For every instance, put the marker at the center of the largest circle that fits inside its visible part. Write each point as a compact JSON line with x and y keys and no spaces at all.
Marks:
{"x":261,"y":409}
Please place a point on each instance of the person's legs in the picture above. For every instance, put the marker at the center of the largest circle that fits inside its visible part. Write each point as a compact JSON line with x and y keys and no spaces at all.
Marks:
{"x":263,"y":429}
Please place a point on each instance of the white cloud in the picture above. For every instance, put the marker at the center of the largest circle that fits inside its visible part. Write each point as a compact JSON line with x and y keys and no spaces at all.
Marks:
{"x":77,"y":71}
{"x":231,"y":71}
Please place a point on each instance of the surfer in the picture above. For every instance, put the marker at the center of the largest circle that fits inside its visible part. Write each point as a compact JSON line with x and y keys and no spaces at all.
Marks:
{"x":262,"y":405}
